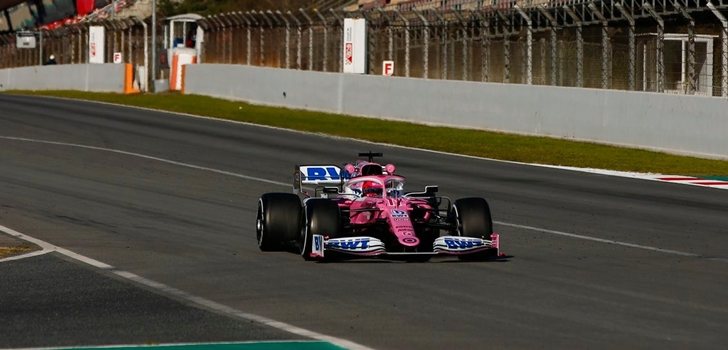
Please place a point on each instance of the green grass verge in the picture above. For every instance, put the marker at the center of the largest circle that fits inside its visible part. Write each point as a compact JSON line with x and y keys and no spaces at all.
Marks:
{"x":529,"y":149}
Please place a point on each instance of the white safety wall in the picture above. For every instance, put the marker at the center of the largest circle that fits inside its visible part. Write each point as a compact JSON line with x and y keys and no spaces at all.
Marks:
{"x":678,"y":124}
{"x":83,"y":77}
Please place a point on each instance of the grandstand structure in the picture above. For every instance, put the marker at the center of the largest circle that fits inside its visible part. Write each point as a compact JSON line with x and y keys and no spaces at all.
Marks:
{"x":669,"y":46}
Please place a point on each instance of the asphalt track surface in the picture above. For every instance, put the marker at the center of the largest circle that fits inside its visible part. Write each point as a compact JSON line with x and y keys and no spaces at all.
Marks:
{"x":193,"y":229}
{"x":50,"y":301}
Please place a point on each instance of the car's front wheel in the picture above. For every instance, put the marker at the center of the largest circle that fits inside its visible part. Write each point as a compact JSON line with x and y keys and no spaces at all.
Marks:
{"x":471,"y":218}
{"x":322,"y":217}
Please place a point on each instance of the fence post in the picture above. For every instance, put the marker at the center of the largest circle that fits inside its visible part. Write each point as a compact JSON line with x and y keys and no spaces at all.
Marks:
{"x":724,"y":49}
{"x":553,"y":40}
{"x":288,"y":37}
{"x":40,"y":45}
{"x":372,"y":42}
{"x":248,"y":36}
{"x":131,"y":23}
{"x":464,"y":35}
{"x":310,"y":38}
{"x":406,"y":43}
{"x":442,"y":44}
{"x":390,"y":33}
{"x":252,"y":22}
{"x":579,"y":47}
{"x":660,"y":47}
{"x":326,"y":39}
{"x":122,"y":42}
{"x":691,"y":84}
{"x":632,"y":59}
{"x":146,"y":54}
{"x":605,"y":45}
{"x":273,"y":23}
{"x":529,"y":45}
{"x":484,"y":27}
{"x":261,"y":38}
{"x":262,"y":35}
{"x":298,"y":39}
{"x":115,"y":39}
{"x":219,"y":36}
{"x":426,"y":49}
{"x":340,"y":40}
{"x":232,"y":22}
{"x":507,"y":28}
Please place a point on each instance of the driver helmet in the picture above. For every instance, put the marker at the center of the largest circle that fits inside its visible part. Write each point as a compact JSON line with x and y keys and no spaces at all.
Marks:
{"x":371,"y":188}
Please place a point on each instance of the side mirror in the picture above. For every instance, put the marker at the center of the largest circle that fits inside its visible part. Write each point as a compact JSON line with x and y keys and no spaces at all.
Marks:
{"x":331,"y":190}
{"x":431,"y":190}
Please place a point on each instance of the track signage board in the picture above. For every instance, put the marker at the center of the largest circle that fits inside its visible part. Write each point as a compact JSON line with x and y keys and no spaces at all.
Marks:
{"x":355,"y":46}
{"x":96,"y":44}
{"x":25,"y":40}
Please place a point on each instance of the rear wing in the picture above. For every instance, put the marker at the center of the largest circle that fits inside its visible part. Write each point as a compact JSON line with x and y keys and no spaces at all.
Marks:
{"x":319,"y":175}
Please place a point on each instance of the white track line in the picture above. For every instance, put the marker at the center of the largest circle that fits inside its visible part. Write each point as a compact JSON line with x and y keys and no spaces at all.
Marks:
{"x":144,"y":156}
{"x":25,"y":256}
{"x":596,"y":239}
{"x":253,"y":178}
{"x":170,"y":291}
{"x":45,"y":246}
{"x":166,"y":345}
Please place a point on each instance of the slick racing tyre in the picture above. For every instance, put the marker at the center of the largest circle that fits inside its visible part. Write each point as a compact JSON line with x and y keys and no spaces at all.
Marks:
{"x":472,"y":219}
{"x":322,"y":217}
{"x":279,"y":220}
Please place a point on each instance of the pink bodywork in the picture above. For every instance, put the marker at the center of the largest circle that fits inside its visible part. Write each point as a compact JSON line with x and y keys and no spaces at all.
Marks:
{"x":395,"y":209}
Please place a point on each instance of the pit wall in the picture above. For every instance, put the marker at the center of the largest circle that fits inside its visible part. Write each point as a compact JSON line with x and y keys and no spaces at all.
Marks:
{"x":82,"y":77}
{"x":679,"y":124}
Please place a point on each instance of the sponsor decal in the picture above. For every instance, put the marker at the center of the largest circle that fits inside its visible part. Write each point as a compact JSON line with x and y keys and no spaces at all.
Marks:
{"x":367,"y":246}
{"x":463,"y":243}
{"x":399,"y":214}
{"x":349,"y":244}
{"x":322,"y":173}
{"x":349,"y":54}
{"x":410,"y":240}
{"x":317,"y":248}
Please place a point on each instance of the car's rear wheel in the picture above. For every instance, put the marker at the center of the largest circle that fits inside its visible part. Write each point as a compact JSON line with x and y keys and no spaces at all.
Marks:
{"x":323,"y":217}
{"x":472,"y":218}
{"x":278,"y":221}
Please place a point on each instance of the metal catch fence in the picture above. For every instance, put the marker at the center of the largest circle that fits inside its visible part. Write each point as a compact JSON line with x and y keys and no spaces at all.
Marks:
{"x":671,"y":46}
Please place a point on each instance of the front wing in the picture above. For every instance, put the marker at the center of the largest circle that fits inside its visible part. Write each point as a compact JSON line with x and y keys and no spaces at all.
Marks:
{"x":370,"y":247}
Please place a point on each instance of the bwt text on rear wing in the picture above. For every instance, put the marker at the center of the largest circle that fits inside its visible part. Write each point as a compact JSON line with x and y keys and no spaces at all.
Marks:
{"x":318,"y":176}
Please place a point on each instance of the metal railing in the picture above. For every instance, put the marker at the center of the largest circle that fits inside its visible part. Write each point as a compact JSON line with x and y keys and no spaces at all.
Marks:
{"x":69,"y":44}
{"x":677,"y":46}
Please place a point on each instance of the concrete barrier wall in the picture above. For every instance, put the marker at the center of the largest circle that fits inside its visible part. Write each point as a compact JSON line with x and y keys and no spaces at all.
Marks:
{"x":84,"y":77}
{"x":674,"y":123}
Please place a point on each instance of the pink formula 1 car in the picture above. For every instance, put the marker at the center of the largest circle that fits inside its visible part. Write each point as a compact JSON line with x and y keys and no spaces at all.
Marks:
{"x":362,"y":210}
